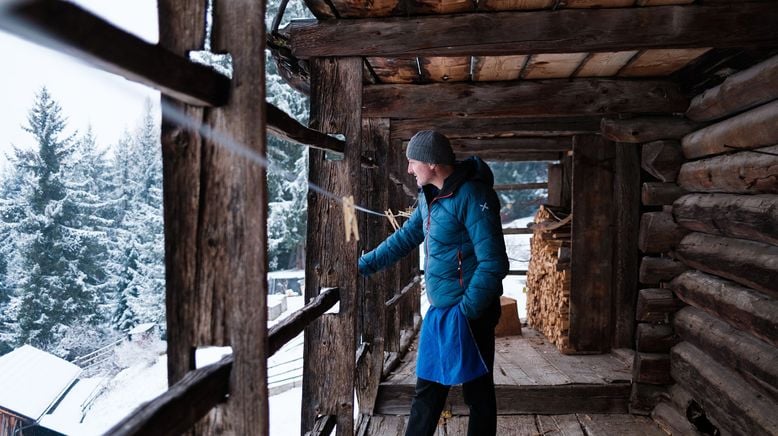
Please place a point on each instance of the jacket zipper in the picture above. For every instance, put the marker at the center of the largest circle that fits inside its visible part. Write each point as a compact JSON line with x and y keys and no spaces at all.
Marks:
{"x":429,"y":224}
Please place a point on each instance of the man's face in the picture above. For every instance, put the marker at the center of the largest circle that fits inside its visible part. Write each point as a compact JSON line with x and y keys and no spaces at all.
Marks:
{"x":422,"y":171}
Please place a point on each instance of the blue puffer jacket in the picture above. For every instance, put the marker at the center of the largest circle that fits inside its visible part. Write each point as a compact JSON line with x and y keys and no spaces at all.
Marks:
{"x":465,"y":251}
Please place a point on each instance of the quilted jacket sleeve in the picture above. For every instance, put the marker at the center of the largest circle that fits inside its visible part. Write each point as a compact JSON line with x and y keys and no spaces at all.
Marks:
{"x":395,"y":247}
{"x":481,"y":210}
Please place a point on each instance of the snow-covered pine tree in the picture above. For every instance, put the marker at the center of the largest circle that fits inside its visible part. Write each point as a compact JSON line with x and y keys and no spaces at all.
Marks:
{"x":58,"y":269}
{"x":138,"y":265}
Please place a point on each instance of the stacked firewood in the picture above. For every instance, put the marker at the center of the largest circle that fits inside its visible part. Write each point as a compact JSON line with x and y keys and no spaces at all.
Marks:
{"x":548,"y":278}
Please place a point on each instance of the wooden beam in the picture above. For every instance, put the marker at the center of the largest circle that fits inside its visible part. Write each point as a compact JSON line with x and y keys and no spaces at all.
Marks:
{"x":752,"y":129}
{"x":660,"y":194}
{"x":479,"y":127}
{"x":511,"y":145}
{"x":656,"y":305}
{"x":659,"y":233}
{"x":727,"y":399}
{"x":280,"y":124}
{"x":200,"y":390}
{"x":544,"y":98}
{"x":752,"y":358}
{"x":517,"y":231}
{"x":744,"y":172}
{"x":654,"y":270}
{"x":654,"y":338}
{"x":514,"y":156}
{"x":749,"y":263}
{"x":753,"y":217}
{"x":743,"y":90}
{"x":545,"y":399}
{"x":652,"y":368}
{"x":66,"y":27}
{"x":646,"y":129}
{"x":532,"y":32}
{"x":743,"y":308}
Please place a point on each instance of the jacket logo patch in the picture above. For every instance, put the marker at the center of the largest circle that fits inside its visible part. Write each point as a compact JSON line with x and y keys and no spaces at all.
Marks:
{"x":484,"y":207}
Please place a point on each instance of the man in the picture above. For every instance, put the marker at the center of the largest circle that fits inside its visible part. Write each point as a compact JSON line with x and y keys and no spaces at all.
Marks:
{"x":465,"y":261}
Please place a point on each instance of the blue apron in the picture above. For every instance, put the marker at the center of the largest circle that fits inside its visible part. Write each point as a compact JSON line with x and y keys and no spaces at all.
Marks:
{"x":448,"y":353}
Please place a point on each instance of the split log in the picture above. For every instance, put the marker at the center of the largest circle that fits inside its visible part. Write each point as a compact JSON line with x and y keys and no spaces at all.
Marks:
{"x":672,"y":422}
{"x":646,"y":129}
{"x":750,"y":263}
{"x":659,"y":232}
{"x":659,"y":194}
{"x":741,"y":307}
{"x":753,"y":129}
{"x":652,"y":368}
{"x":656,"y":305}
{"x":726,"y":398}
{"x":662,"y":159}
{"x":745,"y":172}
{"x":659,"y":269}
{"x":754,"y":359}
{"x":654,"y":338}
{"x":740,"y":91}
{"x":753,"y":217}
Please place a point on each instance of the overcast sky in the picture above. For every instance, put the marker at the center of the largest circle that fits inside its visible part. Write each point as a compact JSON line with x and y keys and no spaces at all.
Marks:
{"x":87,"y":95}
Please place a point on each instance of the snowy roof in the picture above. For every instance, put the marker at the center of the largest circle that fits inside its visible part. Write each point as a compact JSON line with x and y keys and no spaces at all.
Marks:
{"x":141,"y":328}
{"x":33,"y":380}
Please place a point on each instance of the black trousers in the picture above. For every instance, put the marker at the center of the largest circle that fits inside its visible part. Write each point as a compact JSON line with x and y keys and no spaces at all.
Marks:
{"x":430,"y":397}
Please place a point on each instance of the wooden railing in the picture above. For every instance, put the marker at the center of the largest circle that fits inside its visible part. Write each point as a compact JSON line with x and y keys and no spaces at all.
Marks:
{"x":178,"y":409}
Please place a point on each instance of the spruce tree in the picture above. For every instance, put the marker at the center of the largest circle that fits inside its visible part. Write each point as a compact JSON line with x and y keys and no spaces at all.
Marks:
{"x":57,"y":236}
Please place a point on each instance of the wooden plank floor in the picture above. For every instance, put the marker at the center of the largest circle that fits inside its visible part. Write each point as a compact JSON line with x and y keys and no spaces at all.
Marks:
{"x":531,"y":425}
{"x":532,"y":377}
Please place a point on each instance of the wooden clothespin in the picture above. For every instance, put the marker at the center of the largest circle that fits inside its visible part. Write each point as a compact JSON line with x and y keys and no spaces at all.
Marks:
{"x":350,"y":218}
{"x":406,"y":213}
{"x":392,"y":219}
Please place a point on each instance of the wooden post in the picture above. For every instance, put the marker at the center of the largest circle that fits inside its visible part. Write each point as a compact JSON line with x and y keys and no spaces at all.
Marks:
{"x":376,"y":289}
{"x":330,"y":343}
{"x":626,"y":209}
{"x":215,"y":215}
{"x":591,"y":293}
{"x":555,"y":181}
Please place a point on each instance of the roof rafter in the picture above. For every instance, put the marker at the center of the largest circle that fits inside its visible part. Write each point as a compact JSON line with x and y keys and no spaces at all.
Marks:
{"x":512,"y":33}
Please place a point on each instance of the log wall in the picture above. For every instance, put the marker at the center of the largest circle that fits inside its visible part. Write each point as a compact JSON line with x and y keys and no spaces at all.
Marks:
{"x":724,"y":266}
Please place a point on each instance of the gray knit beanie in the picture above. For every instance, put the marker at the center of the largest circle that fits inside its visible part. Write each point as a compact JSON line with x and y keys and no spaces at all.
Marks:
{"x":431,"y":147}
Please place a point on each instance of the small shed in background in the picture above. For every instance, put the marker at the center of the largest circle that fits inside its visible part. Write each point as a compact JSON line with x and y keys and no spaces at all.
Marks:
{"x":33,"y":382}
